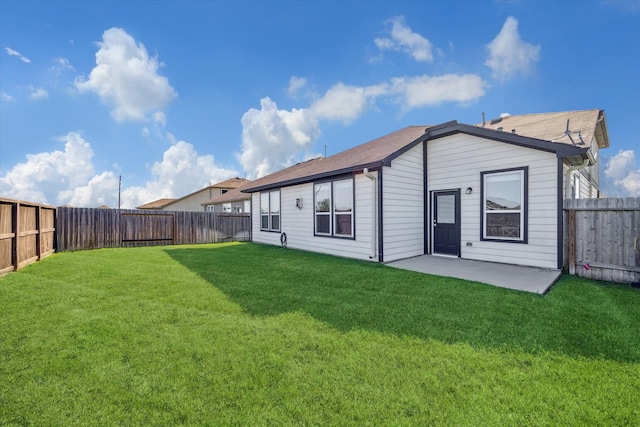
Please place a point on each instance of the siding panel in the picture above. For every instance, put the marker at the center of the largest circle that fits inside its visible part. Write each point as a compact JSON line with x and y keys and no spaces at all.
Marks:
{"x":455,"y":162}
{"x":403,"y":209}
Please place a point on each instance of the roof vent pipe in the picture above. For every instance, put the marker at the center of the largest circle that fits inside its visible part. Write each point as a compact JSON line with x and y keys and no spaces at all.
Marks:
{"x":483,"y":121}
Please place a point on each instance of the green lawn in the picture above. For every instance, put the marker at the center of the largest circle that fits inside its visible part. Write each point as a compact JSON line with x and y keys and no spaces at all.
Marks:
{"x":244,"y":334}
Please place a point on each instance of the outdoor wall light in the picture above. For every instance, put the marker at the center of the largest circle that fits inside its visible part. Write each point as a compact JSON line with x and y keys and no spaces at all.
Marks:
{"x":468,"y":190}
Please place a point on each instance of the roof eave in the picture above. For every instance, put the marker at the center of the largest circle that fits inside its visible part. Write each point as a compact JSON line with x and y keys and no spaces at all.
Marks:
{"x":214,"y":201}
{"x":561,"y":150}
{"x":314,"y":177}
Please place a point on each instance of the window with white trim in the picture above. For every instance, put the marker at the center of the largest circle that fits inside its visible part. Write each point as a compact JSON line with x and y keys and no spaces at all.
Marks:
{"x":504,"y":205}
{"x":270,"y":211}
{"x":575,"y":188}
{"x":333,"y":208}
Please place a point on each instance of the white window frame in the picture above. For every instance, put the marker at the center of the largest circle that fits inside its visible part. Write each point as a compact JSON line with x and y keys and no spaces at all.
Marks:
{"x":333,"y":214}
{"x":321,"y":213}
{"x":270,"y":200}
{"x":575,"y":188}
{"x":521,"y":237}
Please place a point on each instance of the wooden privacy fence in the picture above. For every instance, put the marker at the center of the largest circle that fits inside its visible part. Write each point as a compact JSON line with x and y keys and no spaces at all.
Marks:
{"x":603,"y":238}
{"x":27,"y":233}
{"x":86,"y":228}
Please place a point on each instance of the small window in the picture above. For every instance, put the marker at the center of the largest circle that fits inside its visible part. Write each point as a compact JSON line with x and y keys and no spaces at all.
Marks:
{"x":504,"y":205}
{"x":343,"y":207}
{"x":323,"y":208}
{"x":270,"y":211}
{"x":226,"y":207}
{"x":274,"y":210}
{"x":333,"y":203}
{"x":575,"y":188}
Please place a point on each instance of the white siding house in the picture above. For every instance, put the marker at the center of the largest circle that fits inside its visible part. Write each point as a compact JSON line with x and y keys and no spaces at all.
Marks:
{"x":194,"y":202}
{"x":475,"y":192}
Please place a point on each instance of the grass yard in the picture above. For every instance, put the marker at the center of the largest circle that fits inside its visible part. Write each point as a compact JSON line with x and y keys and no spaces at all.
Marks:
{"x":245,"y":334}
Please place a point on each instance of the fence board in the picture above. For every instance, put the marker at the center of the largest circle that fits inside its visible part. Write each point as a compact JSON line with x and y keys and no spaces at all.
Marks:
{"x":607,"y":238}
{"x":27,"y":233}
{"x":81,"y":228}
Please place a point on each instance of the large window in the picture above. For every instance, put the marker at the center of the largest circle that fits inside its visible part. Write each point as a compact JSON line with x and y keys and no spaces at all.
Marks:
{"x":270,"y":211}
{"x":504,"y":215}
{"x":333,"y":204}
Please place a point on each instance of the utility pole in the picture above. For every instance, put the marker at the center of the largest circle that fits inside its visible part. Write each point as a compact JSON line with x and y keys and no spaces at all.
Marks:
{"x":119,"y":189}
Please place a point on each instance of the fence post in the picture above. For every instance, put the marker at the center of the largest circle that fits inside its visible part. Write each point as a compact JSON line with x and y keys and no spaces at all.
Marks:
{"x":572,"y":242}
{"x":39,"y":231}
{"x":16,"y":230}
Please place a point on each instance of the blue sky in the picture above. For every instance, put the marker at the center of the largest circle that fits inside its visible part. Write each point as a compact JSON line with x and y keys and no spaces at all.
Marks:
{"x":174,"y":95}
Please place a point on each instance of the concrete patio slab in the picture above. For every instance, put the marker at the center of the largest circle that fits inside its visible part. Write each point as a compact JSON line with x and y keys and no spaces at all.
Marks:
{"x":521,"y":278}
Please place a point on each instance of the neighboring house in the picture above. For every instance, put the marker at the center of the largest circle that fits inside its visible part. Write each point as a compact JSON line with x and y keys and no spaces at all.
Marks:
{"x":193,"y":202}
{"x":233,"y":201}
{"x":491,"y":192}
{"x":156,"y":204}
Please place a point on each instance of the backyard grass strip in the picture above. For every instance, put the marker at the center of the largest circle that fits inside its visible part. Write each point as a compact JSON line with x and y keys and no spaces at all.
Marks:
{"x":244,"y":334}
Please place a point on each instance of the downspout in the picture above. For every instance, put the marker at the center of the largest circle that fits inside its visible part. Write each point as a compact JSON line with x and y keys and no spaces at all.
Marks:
{"x":374,"y":219}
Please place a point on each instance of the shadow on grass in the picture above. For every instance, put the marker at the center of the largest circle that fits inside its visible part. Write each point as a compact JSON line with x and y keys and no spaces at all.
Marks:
{"x":577,"y":318}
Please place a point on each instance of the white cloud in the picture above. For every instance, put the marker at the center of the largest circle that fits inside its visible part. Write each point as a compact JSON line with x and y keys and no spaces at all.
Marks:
{"x":160,"y":118}
{"x":509,"y":55}
{"x":345,"y":103}
{"x":101,"y":190}
{"x":181,"y":171}
{"x":61,"y":65}
{"x":126,"y":78}
{"x":295,"y":84}
{"x":6,"y":97}
{"x":622,"y":175}
{"x":38,"y":93}
{"x":403,"y":39}
{"x":12,"y":52}
{"x":273,"y":139}
{"x":46,"y":175}
{"x":68,"y":177}
{"x":433,"y":90}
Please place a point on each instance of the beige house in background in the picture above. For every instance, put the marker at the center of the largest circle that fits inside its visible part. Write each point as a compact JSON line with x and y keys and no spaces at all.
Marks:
{"x":194,"y":202}
{"x":233,"y":201}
